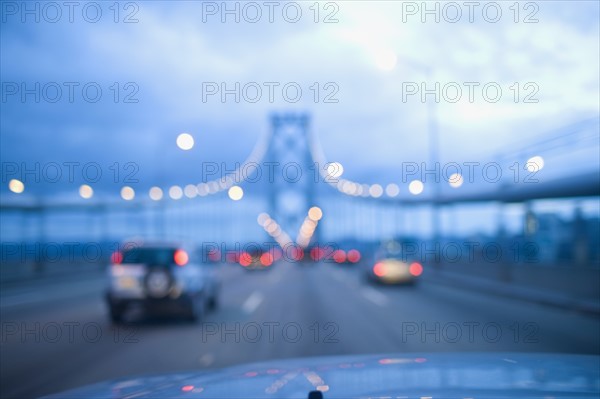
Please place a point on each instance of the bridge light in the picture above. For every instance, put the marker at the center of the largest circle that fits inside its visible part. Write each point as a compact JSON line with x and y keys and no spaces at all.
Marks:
{"x":16,"y":186}
{"x":455,"y":180}
{"x":334,"y":170}
{"x":85,"y":191}
{"x":190,"y":191}
{"x":235,"y":193}
{"x":535,"y":164}
{"x":415,"y":187}
{"x":315,"y":213}
{"x":202,"y":189}
{"x":155,"y":193}
{"x":185,"y":141}
{"x":127,"y":193}
{"x":392,"y":190}
{"x":263,"y":218}
{"x":175,"y":192}
{"x":375,"y":191}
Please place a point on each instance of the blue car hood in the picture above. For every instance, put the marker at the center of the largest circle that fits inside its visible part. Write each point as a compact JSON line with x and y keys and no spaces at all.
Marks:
{"x":495,"y":375}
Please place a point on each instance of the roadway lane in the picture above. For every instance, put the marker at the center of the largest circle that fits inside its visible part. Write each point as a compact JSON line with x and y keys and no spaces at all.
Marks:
{"x":289,"y":311}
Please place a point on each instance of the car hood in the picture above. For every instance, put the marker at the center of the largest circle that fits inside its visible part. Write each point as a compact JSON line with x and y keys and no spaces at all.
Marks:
{"x":505,"y":375}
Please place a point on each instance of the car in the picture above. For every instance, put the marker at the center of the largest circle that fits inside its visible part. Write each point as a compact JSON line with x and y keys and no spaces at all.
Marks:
{"x":161,"y":278}
{"x":392,"y":375}
{"x":392,"y":266}
{"x":257,"y":258}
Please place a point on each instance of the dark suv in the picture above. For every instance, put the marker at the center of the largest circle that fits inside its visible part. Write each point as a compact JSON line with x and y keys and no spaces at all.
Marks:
{"x":159,"y":278}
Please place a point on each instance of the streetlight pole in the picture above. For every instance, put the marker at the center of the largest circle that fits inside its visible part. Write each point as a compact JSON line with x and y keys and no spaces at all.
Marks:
{"x":434,"y":155}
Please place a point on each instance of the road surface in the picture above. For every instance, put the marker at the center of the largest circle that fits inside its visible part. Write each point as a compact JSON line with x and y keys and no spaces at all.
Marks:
{"x":56,"y":334}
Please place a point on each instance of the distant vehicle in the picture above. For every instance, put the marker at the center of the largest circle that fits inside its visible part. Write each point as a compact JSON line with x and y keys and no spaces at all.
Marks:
{"x":257,"y":258}
{"x":162,"y":278}
{"x":391,"y":266}
{"x":341,"y":256}
{"x":400,"y":375}
{"x":332,"y":255}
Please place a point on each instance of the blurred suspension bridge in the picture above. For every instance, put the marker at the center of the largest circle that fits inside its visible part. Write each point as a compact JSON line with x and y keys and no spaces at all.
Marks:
{"x":435,"y":204}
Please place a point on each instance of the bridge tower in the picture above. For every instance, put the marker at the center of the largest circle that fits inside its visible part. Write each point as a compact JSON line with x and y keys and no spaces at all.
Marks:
{"x":294,"y":177}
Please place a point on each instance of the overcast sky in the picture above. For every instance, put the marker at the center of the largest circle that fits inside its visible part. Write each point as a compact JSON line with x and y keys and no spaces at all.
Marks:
{"x":368,"y":54}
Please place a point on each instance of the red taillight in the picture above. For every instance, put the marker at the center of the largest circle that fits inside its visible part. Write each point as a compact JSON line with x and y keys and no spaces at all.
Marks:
{"x":266,"y":259}
{"x":353,"y":256}
{"x":297,"y":254}
{"x":339,"y":256}
{"x":316,"y":254}
{"x":415,"y":269}
{"x":245,"y":259}
{"x":181,"y":257}
{"x":214,"y":255}
{"x":379,"y":269}
{"x":116,"y":258}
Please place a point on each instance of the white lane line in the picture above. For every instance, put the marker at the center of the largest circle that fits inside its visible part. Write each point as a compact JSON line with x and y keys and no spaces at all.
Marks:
{"x":253,"y":301}
{"x":374,"y":296}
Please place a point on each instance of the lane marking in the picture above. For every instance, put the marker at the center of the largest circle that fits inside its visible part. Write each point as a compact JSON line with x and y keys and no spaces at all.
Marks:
{"x":374,"y":296}
{"x":253,"y":301}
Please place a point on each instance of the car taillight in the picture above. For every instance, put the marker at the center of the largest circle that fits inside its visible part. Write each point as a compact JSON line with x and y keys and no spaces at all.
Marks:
{"x":339,"y":256}
{"x":116,"y":258}
{"x":316,"y":254}
{"x":297,"y":253}
{"x":181,"y":257}
{"x":379,"y":269}
{"x":245,"y":259}
{"x":266,"y":259}
{"x":353,"y":256}
{"x":415,"y":269}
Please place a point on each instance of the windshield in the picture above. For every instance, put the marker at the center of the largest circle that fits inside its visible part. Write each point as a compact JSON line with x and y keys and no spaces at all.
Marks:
{"x":394,"y":179}
{"x":149,"y":256}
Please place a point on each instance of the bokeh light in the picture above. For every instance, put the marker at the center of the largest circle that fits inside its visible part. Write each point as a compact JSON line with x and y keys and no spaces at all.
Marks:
{"x":535,"y":164}
{"x":455,"y":180}
{"x":392,"y":190}
{"x":86,"y":191}
{"x":315,"y":213}
{"x":235,"y":193}
{"x":127,"y":193}
{"x":16,"y":186}
{"x":416,"y":187}
{"x":185,"y":141}
{"x":376,"y":190}
{"x":175,"y":192}
{"x":335,"y":169}
{"x":155,"y":193}
{"x":190,"y":191}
